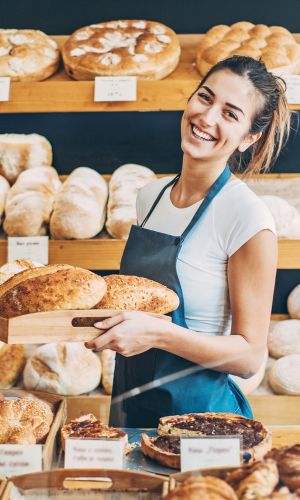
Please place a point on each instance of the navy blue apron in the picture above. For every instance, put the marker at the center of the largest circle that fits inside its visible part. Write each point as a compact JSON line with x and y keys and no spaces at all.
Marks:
{"x":153,"y":255}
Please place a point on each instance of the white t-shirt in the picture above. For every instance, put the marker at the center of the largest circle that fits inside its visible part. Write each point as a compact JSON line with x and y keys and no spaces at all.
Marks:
{"x":234,"y":216}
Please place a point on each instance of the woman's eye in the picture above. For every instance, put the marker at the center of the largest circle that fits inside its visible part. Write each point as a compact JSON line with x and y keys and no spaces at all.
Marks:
{"x":231,"y":115}
{"x":204,"y":96}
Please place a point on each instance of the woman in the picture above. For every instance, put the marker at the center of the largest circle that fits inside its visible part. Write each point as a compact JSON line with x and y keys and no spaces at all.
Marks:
{"x":208,"y":237}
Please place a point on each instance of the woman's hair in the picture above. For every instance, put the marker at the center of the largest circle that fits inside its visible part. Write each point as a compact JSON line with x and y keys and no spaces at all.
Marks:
{"x":272,"y":117}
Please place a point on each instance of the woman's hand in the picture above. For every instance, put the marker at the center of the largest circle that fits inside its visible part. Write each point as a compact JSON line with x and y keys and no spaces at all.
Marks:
{"x":129,"y":333}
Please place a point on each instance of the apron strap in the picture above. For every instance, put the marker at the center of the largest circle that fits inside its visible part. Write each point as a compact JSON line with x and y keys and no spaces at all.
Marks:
{"x":173,"y":181}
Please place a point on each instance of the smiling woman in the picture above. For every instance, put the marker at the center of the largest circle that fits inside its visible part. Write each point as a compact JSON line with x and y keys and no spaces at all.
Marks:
{"x":208,"y":237}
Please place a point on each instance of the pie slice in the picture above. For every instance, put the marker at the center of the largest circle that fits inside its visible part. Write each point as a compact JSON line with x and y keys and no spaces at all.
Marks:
{"x":163,"y":449}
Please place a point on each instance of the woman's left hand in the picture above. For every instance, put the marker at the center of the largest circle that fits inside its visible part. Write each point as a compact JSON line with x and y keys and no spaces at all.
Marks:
{"x":128,"y":333}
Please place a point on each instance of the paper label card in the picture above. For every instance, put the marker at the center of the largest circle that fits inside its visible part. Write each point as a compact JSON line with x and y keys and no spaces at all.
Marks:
{"x":20,"y":459}
{"x":292,"y":88}
{"x":4,"y":88}
{"x":94,"y":453}
{"x":35,"y":248}
{"x":210,"y":452}
{"x":115,"y":88}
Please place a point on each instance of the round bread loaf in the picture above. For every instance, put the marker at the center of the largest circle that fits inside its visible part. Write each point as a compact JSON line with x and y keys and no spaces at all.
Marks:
{"x":293,"y":303}
{"x":4,"y":188}
{"x":68,"y":369}
{"x":284,"y":376}
{"x":145,"y":49}
{"x":286,"y":216}
{"x":12,"y":362}
{"x":284,"y":339}
{"x":50,"y":288}
{"x":11,"y":268}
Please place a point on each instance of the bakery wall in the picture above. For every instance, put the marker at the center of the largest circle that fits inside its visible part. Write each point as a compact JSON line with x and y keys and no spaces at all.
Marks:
{"x":106,"y":140}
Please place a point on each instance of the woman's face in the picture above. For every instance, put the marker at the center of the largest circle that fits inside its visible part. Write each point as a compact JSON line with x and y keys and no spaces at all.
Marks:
{"x":218,"y":117}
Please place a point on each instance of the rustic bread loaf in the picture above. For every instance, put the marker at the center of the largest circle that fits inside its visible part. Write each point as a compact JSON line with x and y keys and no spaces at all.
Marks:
{"x":124,"y":185}
{"x":4,"y":188}
{"x":20,"y":152}
{"x":284,"y":376}
{"x":133,"y":293}
{"x":284,"y":338}
{"x":107,"y":358}
{"x":286,"y":216}
{"x":50,"y":288}
{"x":12,"y":362}
{"x":293,"y":303}
{"x":30,"y":202}
{"x":68,"y":369}
{"x":80,"y":206}
{"x":11,"y":268}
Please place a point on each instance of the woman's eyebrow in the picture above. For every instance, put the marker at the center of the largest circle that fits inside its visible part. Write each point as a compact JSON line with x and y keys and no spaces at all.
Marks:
{"x":227,"y":103}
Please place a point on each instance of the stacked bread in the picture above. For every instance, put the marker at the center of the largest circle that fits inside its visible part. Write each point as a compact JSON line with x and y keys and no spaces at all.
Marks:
{"x":20,"y":152}
{"x":124,"y":185}
{"x":80,"y":206}
{"x":30,"y":202}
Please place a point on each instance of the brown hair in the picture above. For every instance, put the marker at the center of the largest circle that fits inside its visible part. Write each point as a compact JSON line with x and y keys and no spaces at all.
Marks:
{"x":272,"y":117}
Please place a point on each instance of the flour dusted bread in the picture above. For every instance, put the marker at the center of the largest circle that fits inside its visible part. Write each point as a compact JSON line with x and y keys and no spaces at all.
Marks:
{"x":286,"y":216}
{"x":11,"y":268}
{"x":20,"y":152}
{"x":27,"y":55}
{"x":12,"y":362}
{"x":107,"y":358}
{"x":133,"y":293}
{"x":68,"y":369}
{"x":124,"y":185}
{"x":293,"y":303}
{"x":30,"y":202}
{"x":145,"y":49}
{"x":50,"y":288}
{"x":284,"y":376}
{"x":275,"y":46}
{"x":80,"y":206}
{"x":284,"y":338}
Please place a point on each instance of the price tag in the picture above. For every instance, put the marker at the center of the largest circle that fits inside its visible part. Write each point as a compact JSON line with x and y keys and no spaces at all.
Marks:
{"x":115,"y":88}
{"x":94,"y":453}
{"x":19,"y":459}
{"x":209,"y":452}
{"x":292,"y":88}
{"x":4,"y":88}
{"x":35,"y":248}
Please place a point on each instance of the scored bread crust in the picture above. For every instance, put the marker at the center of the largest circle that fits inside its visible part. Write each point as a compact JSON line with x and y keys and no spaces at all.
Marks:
{"x":257,"y":452}
{"x":133,"y":293}
{"x":146,"y":49}
{"x":50,"y":288}
{"x":161,"y":456}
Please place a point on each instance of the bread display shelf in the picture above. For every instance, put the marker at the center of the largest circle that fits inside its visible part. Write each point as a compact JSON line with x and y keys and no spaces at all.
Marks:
{"x":61,"y":94}
{"x":60,"y":326}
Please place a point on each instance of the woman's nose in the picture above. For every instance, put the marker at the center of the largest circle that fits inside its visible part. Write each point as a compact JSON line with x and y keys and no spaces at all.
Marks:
{"x":210,"y":115}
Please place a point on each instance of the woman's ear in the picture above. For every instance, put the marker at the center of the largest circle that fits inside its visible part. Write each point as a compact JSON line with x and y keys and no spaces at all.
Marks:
{"x":248,"y":141}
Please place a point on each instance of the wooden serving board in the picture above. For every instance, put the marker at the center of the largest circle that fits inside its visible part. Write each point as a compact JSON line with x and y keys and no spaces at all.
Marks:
{"x":56,"y":326}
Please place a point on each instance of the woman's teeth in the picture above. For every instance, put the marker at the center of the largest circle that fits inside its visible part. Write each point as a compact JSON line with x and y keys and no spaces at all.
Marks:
{"x":201,"y":135}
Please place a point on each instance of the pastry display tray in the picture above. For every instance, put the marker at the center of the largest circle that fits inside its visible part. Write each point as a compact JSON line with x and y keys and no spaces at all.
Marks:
{"x":56,"y":326}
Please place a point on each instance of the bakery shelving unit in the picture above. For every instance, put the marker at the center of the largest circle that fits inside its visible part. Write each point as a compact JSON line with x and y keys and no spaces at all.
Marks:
{"x":62,"y":94}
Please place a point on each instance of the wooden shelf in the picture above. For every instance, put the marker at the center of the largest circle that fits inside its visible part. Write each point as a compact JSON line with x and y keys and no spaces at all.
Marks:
{"x":61,"y":94}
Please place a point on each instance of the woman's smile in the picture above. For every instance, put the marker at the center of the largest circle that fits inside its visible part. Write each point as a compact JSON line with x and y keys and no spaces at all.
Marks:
{"x":201,"y":135}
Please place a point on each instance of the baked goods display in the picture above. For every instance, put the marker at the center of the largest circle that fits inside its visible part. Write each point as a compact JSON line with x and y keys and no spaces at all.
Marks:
{"x":12,"y":362}
{"x":80,"y":206}
{"x":88,"y":427}
{"x":20,"y":152}
{"x":284,"y":338}
{"x":27,"y":55}
{"x":286,"y":216}
{"x":140,"y":48}
{"x":124,"y":185}
{"x":50,"y":288}
{"x":24,"y":421}
{"x":107,"y":358}
{"x":11,"y":268}
{"x":135,"y":293}
{"x":293,"y":303}
{"x":274,"y":45}
{"x":30,"y":201}
{"x":284,"y":375}
{"x":204,"y":488}
{"x":68,"y":369}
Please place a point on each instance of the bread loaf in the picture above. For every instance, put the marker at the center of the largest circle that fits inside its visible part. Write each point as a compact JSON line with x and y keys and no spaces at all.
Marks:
{"x":19,"y":152}
{"x":11,"y":268}
{"x":133,"y":293}
{"x":12,"y":362}
{"x":4,"y":188}
{"x":284,"y":376}
{"x":50,"y":288}
{"x":293,"y":303}
{"x":286,"y":216}
{"x":68,"y":369}
{"x":284,"y":339}
{"x":80,"y":206}
{"x":107,"y":358}
{"x":124,"y":185}
{"x":30,"y":202}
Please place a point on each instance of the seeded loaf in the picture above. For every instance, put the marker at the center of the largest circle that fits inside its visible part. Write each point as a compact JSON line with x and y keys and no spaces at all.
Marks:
{"x":133,"y":293}
{"x":50,"y":288}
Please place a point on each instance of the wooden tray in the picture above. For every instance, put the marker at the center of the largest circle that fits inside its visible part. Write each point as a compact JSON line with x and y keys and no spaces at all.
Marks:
{"x":56,"y":326}
{"x":71,"y":479}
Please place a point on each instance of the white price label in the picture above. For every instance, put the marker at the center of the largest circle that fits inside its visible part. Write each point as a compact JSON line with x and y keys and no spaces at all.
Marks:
{"x":20,"y":459}
{"x":94,"y":453}
{"x":115,"y":88}
{"x":209,"y":452}
{"x":292,"y":88}
{"x":4,"y":88}
{"x":35,"y":248}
